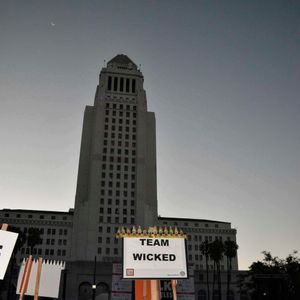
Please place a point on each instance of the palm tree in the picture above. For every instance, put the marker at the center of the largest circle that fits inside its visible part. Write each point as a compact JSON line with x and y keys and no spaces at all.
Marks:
{"x":216,"y":250}
{"x":33,"y":238}
{"x":204,"y":250}
{"x":230,"y":251}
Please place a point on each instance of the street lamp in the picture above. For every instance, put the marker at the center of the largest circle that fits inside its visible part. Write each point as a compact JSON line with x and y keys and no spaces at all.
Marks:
{"x":94,"y":285}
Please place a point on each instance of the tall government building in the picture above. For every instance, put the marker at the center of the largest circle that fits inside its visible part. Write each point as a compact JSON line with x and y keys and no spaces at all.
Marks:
{"x":117,"y":167}
{"x":116,"y":186}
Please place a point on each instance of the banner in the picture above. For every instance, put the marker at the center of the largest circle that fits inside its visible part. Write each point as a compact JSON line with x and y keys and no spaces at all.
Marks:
{"x":154,"y":258}
{"x":120,"y":289}
{"x":7,"y":243}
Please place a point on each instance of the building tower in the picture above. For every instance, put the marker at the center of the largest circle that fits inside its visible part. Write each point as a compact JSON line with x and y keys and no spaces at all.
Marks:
{"x":116,"y":184}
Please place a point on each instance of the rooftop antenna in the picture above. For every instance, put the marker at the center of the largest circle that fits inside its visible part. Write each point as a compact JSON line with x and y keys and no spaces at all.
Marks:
{"x":140,"y":66}
{"x":104,"y":62}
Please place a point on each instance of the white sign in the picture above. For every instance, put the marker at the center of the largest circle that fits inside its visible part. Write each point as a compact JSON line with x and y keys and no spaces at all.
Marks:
{"x":154,"y":258}
{"x":49,"y":281}
{"x":7,"y":243}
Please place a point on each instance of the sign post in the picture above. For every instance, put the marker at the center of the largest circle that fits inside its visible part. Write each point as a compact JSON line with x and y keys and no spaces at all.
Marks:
{"x":153,"y":254}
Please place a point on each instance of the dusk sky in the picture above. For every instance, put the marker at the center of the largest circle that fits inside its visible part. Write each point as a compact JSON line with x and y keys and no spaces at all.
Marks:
{"x":223,"y":78}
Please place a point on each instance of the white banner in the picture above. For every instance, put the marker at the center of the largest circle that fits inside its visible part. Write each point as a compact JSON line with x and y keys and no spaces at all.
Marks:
{"x":154,"y":258}
{"x":50,"y":278}
{"x":120,"y":296}
{"x":121,"y":289}
{"x":7,"y":243}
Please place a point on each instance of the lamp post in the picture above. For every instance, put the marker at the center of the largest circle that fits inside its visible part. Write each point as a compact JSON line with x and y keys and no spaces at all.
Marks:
{"x":94,"y":285}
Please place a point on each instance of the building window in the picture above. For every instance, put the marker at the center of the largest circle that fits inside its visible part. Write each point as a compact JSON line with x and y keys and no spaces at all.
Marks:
{"x":108,"y":87}
{"x":121,"y":85}
{"x":115,"y":83}
{"x":127,"y":85}
{"x":133,"y":86}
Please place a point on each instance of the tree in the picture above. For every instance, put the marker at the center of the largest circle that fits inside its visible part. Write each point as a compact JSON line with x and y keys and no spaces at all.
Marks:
{"x":216,"y":250}
{"x":22,"y":238}
{"x":204,"y":249}
{"x":33,"y":238}
{"x":230,"y":251}
{"x":292,"y":268}
{"x":274,"y":278}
